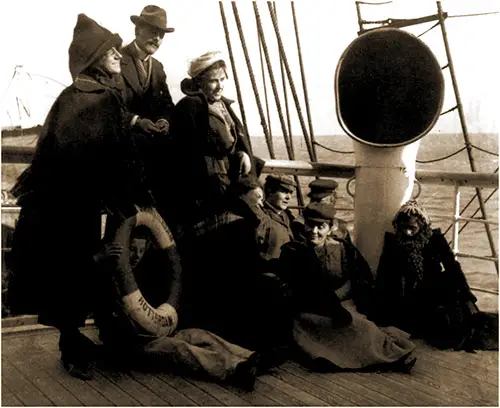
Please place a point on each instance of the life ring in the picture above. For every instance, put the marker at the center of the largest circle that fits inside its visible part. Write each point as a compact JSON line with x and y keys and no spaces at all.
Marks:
{"x":163,"y":319}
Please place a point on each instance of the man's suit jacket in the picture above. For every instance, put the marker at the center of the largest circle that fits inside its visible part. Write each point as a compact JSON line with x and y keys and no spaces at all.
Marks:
{"x":154,"y":101}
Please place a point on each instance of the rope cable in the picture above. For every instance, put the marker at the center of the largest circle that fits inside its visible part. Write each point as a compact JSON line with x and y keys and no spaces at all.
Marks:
{"x":290,"y":80}
{"x":263,"y":123}
{"x":235,"y":74}
{"x":443,"y":158}
{"x":484,"y":150}
{"x":332,"y":150}
{"x":429,"y":29}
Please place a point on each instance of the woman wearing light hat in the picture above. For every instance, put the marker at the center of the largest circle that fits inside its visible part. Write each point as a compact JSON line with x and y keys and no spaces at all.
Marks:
{"x":330,"y":285}
{"x":81,"y":166}
{"x":210,"y":138}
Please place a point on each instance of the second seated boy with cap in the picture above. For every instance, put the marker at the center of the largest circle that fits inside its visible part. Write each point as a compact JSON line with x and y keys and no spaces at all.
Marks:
{"x":324,"y":191}
{"x":276,"y":228}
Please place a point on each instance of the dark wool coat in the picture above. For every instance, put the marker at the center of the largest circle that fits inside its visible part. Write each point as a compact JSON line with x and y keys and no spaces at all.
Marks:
{"x":275,"y":230}
{"x":205,"y":161}
{"x":153,"y":102}
{"x":313,"y":283}
{"x":329,"y":329}
{"x":82,"y":165}
{"x":443,"y":291}
{"x":227,"y":292}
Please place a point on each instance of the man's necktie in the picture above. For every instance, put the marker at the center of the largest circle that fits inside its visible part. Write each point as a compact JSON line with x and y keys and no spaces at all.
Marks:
{"x":141,"y":70}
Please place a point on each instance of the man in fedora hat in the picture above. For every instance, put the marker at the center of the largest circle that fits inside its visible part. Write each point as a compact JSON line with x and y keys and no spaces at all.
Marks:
{"x":147,"y":95}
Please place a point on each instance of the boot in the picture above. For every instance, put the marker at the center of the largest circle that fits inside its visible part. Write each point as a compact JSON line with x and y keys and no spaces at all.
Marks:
{"x":78,"y":353}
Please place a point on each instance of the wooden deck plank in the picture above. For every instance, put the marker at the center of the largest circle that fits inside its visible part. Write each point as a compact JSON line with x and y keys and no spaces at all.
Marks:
{"x":112,"y":392}
{"x":133,"y":388}
{"x":9,"y":399}
{"x":54,"y":391}
{"x":481,"y":365}
{"x":165,"y":391}
{"x":439,"y":378}
{"x":199,"y":396}
{"x":131,"y":393}
{"x":461,"y":385}
{"x":279,"y":397}
{"x":254,"y":398}
{"x":226,"y":397}
{"x":401,"y":391}
{"x":24,"y":389}
{"x":431,"y":388}
{"x":100,"y":391}
{"x":328,"y":396}
{"x":305,"y":398}
{"x":351,"y":392}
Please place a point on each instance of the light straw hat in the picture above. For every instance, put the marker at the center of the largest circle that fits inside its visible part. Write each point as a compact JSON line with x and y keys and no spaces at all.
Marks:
{"x":203,"y":62}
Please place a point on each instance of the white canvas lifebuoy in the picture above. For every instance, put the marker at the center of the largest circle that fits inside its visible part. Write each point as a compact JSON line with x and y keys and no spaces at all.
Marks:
{"x":157,"y":321}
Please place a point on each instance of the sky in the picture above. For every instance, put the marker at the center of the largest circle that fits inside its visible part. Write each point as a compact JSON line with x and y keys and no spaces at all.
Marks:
{"x":36,"y":36}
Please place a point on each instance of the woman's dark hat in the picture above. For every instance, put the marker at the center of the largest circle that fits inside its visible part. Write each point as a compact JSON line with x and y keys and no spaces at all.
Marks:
{"x":153,"y":16}
{"x":322,"y":188}
{"x":90,"y":42}
{"x":319,"y":212}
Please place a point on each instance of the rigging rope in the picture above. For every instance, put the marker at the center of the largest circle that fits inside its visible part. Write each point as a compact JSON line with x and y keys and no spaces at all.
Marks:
{"x":448,"y":111}
{"x":429,"y":29}
{"x":269,"y":140}
{"x":271,"y":77}
{"x":290,"y":80}
{"x":304,"y":83}
{"x":290,"y":147}
{"x":442,"y":158}
{"x":285,"y":94}
{"x":374,"y":4}
{"x":266,"y":99}
{"x":484,"y":150}
{"x":235,"y":73}
{"x":474,"y":15}
{"x":332,"y":150}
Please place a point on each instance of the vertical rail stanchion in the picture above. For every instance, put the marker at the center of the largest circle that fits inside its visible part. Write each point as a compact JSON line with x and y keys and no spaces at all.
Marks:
{"x":456,"y":219}
{"x":360,"y":21}
{"x":465,"y":132}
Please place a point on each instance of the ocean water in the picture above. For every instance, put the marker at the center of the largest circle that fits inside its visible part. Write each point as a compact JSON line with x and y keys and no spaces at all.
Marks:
{"x":438,"y":200}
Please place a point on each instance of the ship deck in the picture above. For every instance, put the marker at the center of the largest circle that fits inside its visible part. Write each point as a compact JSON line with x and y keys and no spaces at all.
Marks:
{"x":33,"y":376}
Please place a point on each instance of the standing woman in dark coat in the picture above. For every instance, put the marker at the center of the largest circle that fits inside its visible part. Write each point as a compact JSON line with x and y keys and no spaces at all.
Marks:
{"x":213,"y":147}
{"x":80,"y":168}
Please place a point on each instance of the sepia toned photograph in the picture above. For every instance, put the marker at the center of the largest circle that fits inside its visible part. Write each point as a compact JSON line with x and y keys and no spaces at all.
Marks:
{"x":249,"y":203}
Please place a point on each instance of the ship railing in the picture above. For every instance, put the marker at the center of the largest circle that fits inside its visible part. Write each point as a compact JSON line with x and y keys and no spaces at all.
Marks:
{"x":457,"y":179}
{"x":343,"y":171}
